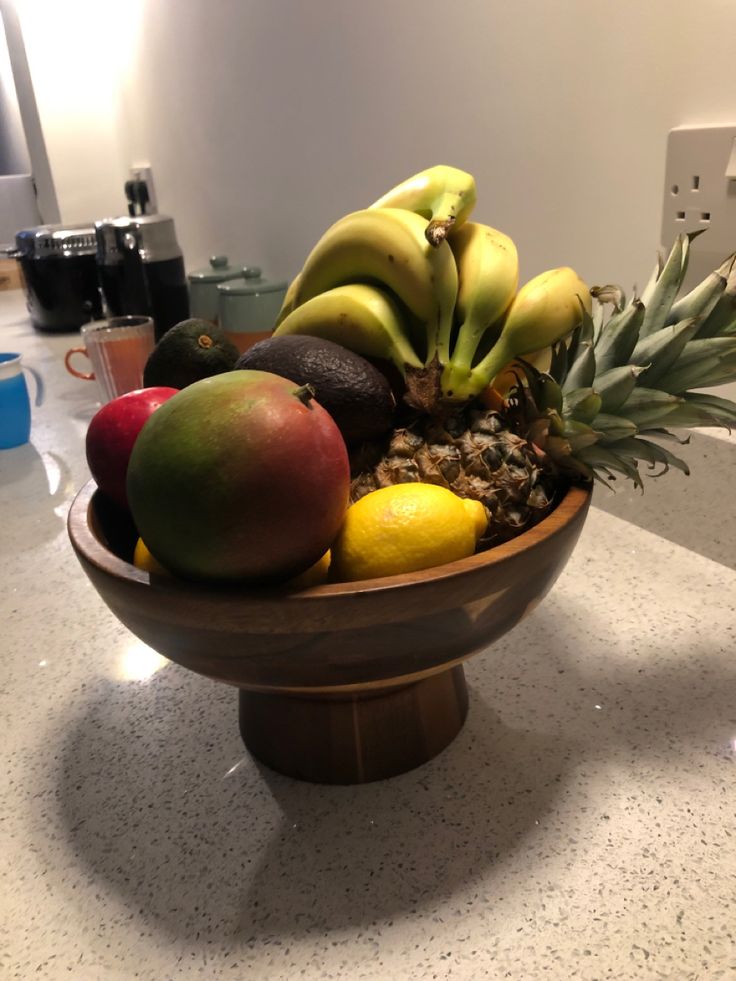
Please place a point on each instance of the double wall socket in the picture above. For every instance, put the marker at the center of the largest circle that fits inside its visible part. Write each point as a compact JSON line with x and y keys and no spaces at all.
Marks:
{"x":700,"y":195}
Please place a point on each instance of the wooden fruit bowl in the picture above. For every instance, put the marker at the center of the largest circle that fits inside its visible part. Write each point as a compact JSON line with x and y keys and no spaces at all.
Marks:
{"x":339,"y":683}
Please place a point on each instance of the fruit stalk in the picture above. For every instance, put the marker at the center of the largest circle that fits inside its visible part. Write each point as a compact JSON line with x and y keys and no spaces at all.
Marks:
{"x":305,"y":393}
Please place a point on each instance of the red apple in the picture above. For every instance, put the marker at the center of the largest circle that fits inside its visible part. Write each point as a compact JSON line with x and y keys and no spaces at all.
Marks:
{"x":112,"y":434}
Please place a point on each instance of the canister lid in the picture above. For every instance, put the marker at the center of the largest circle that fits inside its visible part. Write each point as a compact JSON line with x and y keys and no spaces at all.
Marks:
{"x":251,"y":283}
{"x":56,"y":240}
{"x":218,"y":271}
{"x":153,"y":236}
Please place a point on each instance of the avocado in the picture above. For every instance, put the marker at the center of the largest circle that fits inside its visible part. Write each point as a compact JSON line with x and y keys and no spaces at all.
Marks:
{"x":353,"y":391}
{"x":189,"y":351}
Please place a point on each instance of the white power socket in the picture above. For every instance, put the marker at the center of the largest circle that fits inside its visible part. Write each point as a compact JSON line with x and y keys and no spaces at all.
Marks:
{"x":144,"y":172}
{"x":700,"y":195}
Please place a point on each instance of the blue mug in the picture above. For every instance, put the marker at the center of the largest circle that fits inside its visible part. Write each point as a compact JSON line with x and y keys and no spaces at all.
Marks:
{"x":15,"y":403}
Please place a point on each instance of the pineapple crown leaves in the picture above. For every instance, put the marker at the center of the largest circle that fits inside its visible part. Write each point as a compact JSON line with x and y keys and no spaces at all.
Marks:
{"x":615,"y":382}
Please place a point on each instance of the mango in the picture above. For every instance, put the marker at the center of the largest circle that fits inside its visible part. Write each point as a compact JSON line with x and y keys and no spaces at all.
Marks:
{"x":244,"y":477}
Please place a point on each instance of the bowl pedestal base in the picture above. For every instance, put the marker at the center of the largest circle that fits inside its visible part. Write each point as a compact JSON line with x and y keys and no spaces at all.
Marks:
{"x":354,"y":737}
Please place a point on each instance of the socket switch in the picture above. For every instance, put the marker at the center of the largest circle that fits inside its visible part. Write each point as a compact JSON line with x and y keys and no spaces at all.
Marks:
{"x":700,"y":195}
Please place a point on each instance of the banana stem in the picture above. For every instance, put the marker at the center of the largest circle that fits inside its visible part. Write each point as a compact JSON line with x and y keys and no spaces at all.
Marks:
{"x":466,"y":345}
{"x":460,"y":383}
{"x":496,"y":359}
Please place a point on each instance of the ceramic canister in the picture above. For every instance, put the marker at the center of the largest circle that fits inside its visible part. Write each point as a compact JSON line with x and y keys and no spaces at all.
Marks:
{"x":249,"y":307}
{"x":203,"y":285}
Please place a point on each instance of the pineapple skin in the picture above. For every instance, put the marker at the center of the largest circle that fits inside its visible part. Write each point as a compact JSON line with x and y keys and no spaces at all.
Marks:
{"x":474,"y":451}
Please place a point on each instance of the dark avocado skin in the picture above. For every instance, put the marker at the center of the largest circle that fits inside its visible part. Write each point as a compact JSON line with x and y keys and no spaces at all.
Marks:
{"x":357,"y":395}
{"x":181,"y":359}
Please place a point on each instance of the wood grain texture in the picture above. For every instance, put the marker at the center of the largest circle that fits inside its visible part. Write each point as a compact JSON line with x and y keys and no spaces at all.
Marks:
{"x":10,"y":278}
{"x":304,"y":656}
{"x":377,"y":631}
{"x":355,"y":738}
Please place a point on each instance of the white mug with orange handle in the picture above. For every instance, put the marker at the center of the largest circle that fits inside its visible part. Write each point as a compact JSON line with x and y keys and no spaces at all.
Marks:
{"x":118,"y":349}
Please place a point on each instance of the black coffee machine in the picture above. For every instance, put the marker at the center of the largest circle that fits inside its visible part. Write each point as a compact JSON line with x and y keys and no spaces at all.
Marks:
{"x":141,"y":269}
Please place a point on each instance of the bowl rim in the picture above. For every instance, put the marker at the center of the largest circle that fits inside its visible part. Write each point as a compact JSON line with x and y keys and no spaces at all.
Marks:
{"x":574,"y":499}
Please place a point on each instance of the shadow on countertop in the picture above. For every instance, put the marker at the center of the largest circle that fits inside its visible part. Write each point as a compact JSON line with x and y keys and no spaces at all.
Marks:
{"x":202,"y":845}
{"x":35,"y":484}
{"x":161,"y":804}
{"x":695,"y":510}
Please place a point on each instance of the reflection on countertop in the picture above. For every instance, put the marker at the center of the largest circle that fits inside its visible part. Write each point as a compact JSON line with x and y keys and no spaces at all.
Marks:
{"x":581,"y":824}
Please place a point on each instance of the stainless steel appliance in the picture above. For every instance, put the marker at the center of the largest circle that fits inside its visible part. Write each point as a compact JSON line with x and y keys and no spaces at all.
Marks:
{"x":59,"y":274}
{"x":141,"y":269}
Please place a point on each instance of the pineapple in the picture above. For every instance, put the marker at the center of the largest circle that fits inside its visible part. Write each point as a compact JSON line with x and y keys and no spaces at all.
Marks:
{"x":599,"y":410}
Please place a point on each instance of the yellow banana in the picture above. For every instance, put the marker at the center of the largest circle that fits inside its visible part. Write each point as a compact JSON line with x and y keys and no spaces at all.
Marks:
{"x":443,"y":195}
{"x":387,"y":247}
{"x":544,"y":311}
{"x":362,"y":318}
{"x":288,"y":302}
{"x":488,"y":277}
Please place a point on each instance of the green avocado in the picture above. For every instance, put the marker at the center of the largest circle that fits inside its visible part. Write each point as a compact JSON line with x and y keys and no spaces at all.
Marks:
{"x":350,"y":388}
{"x":192,"y":350}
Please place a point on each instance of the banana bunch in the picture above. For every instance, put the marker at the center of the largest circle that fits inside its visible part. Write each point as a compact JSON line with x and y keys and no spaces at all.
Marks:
{"x":412,"y":280}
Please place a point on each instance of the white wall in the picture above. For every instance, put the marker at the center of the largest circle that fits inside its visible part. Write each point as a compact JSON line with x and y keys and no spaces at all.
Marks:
{"x":264,"y":120}
{"x":13,"y":150}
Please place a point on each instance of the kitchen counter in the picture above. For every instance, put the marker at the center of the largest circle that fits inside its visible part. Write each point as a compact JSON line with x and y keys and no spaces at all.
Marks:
{"x":580,"y":826}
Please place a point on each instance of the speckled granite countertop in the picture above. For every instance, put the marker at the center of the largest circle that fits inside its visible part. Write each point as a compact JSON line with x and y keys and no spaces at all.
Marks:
{"x":580,"y":826}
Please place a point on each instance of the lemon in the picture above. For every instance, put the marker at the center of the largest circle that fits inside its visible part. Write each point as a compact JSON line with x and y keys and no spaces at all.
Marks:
{"x":405,"y":528}
{"x":315,"y":575}
{"x":143,"y":559}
